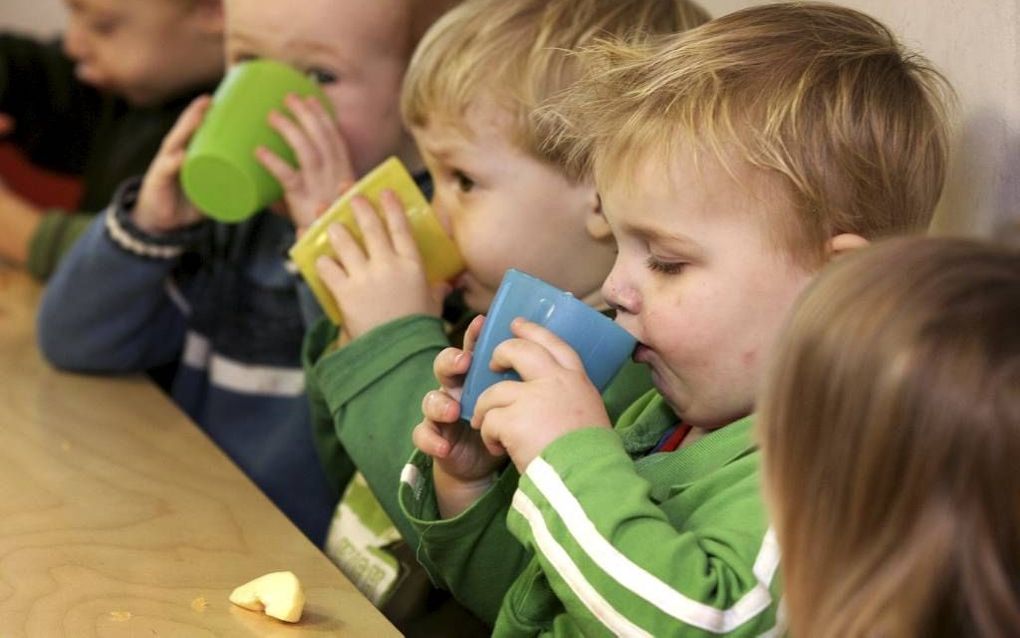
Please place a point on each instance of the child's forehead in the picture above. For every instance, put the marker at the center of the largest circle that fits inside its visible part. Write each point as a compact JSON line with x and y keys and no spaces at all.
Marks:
{"x":342,"y":27}
{"x":691,"y":182}
{"x":483,"y":124}
{"x":116,"y":7}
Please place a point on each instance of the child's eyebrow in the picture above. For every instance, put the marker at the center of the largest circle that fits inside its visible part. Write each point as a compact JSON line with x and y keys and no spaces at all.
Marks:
{"x":652,"y":233}
{"x":297,"y":47}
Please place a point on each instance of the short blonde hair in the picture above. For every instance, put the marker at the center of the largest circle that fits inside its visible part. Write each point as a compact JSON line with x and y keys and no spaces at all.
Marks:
{"x":519,"y":53}
{"x":890,"y":432}
{"x":822,"y":95}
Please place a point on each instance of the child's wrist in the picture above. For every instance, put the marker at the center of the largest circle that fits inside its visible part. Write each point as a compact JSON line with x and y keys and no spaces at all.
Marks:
{"x":454,"y":494}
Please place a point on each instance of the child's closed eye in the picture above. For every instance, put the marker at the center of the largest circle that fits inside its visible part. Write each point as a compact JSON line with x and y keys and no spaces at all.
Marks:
{"x":665,"y":267}
{"x":103,"y":24}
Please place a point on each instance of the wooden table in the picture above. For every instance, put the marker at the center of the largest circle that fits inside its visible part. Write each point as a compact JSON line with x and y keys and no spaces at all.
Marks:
{"x":119,"y":518}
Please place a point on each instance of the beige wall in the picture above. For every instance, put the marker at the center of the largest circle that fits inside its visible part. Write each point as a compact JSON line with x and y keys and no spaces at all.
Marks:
{"x":43,"y":17}
{"x":976,"y":44}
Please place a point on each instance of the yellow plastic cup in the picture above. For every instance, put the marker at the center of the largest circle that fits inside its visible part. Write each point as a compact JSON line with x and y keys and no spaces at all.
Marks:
{"x":438,"y":250}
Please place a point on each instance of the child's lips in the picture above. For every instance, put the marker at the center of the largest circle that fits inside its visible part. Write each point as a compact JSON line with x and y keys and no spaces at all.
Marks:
{"x":642,"y":354}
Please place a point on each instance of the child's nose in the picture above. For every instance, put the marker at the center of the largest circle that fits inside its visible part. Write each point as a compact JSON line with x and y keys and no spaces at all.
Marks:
{"x":75,"y":43}
{"x":620,"y":296}
{"x":442,"y":214}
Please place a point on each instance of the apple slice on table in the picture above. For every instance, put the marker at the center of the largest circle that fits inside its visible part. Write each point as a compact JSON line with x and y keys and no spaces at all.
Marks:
{"x":278,"y":594}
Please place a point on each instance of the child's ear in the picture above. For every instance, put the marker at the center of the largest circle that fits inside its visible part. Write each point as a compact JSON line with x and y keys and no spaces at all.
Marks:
{"x":595,"y":222}
{"x":845,"y":243}
{"x":208,"y":14}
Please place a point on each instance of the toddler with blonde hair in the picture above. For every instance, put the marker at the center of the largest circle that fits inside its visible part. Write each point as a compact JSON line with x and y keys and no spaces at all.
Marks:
{"x":733,"y":162}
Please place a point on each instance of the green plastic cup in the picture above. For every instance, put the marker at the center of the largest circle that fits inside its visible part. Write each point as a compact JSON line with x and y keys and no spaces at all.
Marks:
{"x":220,"y":174}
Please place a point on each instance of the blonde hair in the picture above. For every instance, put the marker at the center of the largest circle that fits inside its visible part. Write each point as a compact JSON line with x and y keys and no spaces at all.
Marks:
{"x":822,"y":95}
{"x":890,"y":432}
{"x":519,"y":53}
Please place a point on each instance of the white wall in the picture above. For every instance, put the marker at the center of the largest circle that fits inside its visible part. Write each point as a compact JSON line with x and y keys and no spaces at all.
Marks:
{"x":42,"y":17}
{"x":976,"y":44}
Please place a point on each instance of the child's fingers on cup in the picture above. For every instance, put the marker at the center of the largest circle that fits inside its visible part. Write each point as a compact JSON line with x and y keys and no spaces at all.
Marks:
{"x":450,"y":365}
{"x":377,"y":240}
{"x":318,"y":121}
{"x":284,"y":173}
{"x":308,"y":156}
{"x":348,"y":252}
{"x":398,"y":225}
{"x":474,"y":329}
{"x":319,"y":131}
{"x":428,"y":438}
{"x":440,"y":407}
{"x":529,"y":359}
{"x":497,"y":395}
{"x":565,"y":355}
{"x":331,"y":273}
{"x":490,"y":433}
{"x":186,"y":125}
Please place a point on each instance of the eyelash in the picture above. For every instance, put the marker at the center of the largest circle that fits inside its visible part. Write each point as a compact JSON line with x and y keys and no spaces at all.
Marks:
{"x":464,"y":183}
{"x":665,"y":267}
{"x":104,"y":27}
{"x":320,"y":76}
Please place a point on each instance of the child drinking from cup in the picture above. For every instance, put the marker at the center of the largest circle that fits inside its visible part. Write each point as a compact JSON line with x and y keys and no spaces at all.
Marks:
{"x":154,"y":281}
{"x":468,"y":99}
{"x":733,"y":162}
{"x":890,"y":430}
{"x":97,"y":104}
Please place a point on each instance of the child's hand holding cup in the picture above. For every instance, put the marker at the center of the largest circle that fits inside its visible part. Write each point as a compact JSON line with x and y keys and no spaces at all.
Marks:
{"x":221,"y":174}
{"x":439,"y":254}
{"x":601,"y":343}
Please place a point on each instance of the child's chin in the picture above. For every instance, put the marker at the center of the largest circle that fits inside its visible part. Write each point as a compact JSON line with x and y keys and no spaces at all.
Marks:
{"x":477,"y":298}
{"x":478,"y":301}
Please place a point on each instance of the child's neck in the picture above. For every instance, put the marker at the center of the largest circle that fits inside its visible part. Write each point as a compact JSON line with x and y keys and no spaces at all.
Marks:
{"x":694,"y":435}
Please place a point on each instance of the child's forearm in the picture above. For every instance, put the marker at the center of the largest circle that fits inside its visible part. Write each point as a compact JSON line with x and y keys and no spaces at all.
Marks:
{"x":454,"y":495}
{"x":20,"y":221}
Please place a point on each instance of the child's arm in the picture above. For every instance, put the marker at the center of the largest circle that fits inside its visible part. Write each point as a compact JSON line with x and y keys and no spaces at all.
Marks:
{"x":362,"y":402}
{"x":464,"y":466}
{"x":113,"y":305}
{"x":20,"y":221}
{"x":391,"y":333}
{"x":626,"y":552}
{"x":385,"y":281}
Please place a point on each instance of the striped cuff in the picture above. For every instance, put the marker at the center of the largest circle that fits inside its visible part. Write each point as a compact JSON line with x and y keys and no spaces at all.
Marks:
{"x":129,"y":237}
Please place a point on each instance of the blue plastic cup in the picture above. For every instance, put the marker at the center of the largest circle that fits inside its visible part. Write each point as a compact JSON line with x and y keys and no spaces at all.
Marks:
{"x":602,"y":344}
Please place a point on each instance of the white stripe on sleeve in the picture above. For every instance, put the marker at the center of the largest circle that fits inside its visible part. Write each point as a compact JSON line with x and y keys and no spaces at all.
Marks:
{"x":639,"y":581}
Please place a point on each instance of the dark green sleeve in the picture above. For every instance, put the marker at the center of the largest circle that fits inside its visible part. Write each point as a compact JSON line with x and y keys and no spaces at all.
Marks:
{"x":366,"y":400}
{"x":55,"y":115}
{"x":55,"y":236}
{"x":338,"y":466}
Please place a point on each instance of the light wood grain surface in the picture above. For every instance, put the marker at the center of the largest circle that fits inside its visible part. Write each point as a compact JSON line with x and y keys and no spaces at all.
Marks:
{"x":119,"y":518}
